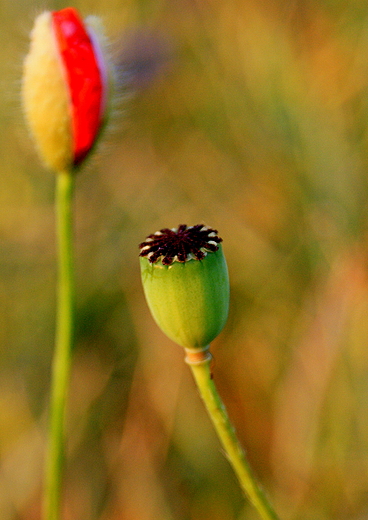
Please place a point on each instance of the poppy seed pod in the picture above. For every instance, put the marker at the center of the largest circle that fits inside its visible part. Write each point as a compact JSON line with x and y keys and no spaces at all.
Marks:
{"x":186,"y":283}
{"x":64,"y":87}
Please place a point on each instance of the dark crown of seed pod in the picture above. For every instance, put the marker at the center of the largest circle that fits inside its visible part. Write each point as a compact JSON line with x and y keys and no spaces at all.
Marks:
{"x":180,"y":245}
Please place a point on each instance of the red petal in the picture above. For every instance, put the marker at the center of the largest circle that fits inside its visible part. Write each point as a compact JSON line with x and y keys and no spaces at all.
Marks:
{"x":84,"y":78}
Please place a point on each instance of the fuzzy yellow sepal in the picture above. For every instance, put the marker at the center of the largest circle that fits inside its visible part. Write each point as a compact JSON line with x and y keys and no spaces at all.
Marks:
{"x":45,"y":97}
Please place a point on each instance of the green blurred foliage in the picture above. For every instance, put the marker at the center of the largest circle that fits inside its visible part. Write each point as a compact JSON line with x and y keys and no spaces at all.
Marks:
{"x":254,"y":121}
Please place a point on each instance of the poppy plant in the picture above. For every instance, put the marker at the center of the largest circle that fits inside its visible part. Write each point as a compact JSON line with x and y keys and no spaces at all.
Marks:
{"x":186,"y":284}
{"x":64,"y":94}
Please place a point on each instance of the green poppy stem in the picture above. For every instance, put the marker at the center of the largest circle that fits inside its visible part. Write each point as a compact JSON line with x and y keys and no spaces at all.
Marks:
{"x":199,"y":362}
{"x":63,"y":345}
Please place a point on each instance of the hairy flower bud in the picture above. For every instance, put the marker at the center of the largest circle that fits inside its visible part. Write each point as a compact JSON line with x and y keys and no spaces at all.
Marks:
{"x":64,"y":88}
{"x":186,"y":284}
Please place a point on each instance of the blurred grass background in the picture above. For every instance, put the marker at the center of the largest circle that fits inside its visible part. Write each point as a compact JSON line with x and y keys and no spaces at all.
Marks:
{"x":250,"y":116}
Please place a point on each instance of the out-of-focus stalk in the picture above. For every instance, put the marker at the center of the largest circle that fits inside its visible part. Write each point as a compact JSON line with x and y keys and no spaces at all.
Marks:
{"x":63,"y":345}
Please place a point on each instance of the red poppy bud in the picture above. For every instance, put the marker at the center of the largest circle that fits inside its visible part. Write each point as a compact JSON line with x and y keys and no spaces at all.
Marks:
{"x":64,"y":88}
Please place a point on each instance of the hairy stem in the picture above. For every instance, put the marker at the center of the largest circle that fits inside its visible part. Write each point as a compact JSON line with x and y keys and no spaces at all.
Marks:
{"x":199,"y":362}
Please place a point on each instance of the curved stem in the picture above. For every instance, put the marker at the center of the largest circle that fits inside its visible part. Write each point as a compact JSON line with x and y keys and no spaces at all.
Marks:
{"x":199,"y":362}
{"x":63,"y":345}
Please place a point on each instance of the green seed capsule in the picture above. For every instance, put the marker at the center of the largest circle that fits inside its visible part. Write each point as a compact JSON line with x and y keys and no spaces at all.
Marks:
{"x":186,"y":284}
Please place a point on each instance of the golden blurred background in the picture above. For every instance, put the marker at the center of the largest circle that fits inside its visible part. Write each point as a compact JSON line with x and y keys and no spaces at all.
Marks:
{"x":250,"y":116}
